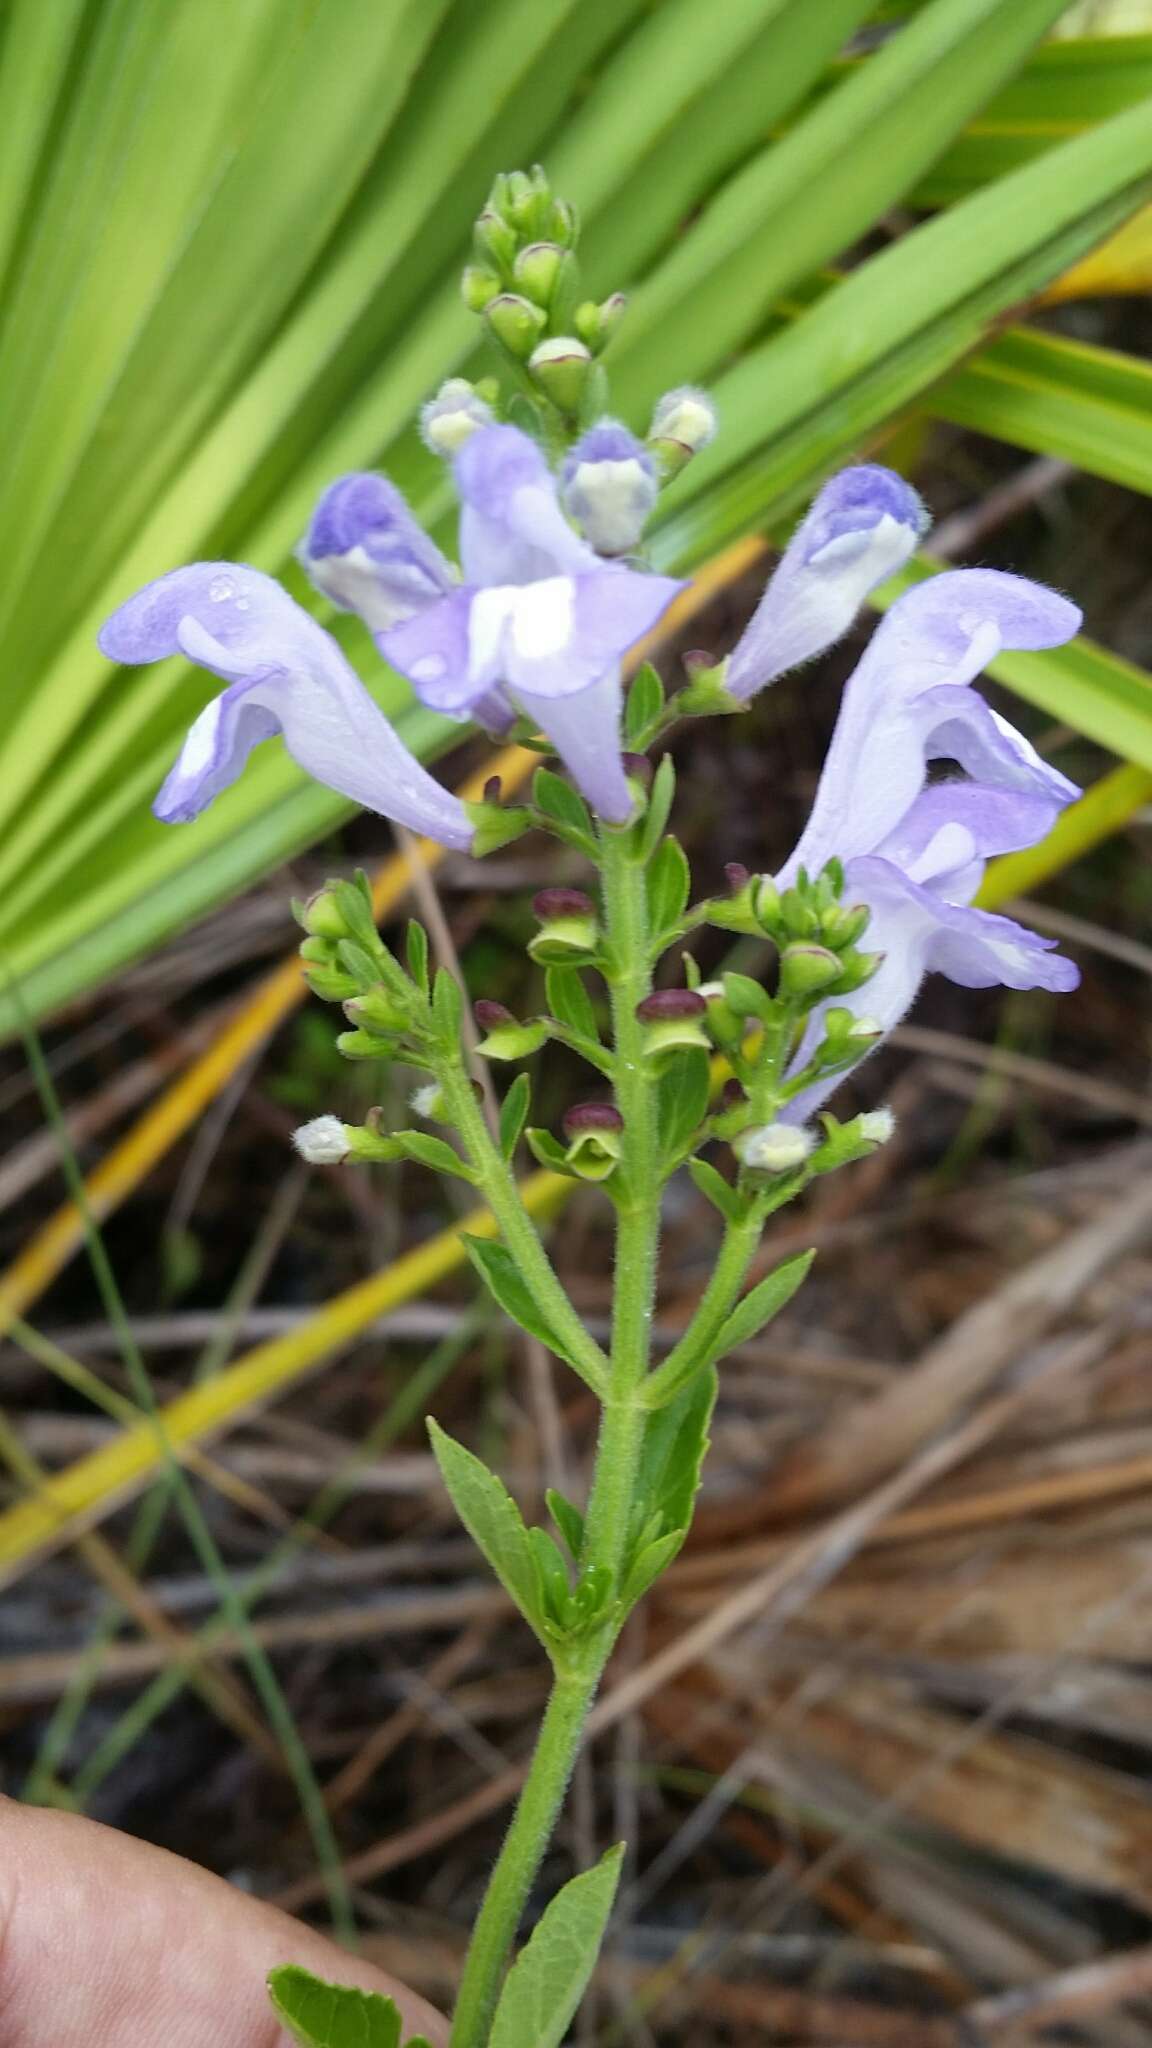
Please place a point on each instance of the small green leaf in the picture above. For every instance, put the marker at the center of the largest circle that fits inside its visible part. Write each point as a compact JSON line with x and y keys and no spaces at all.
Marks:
{"x":544,"y":1986}
{"x":683,"y":1100}
{"x":570,"y":1002}
{"x":762,"y":1303}
{"x":668,"y":883}
{"x":644,"y":708}
{"x":548,"y":1151}
{"x":447,"y":1006}
{"x":513,"y":1112}
{"x":675,"y":1442}
{"x":434,"y":1153}
{"x":568,"y":1520}
{"x":555,"y":1586}
{"x":493,"y":1521}
{"x":655,"y":818}
{"x":364,"y":967}
{"x":498,"y":1269}
{"x":647,"y":1565}
{"x":565,"y":810}
{"x":717,"y":1190}
{"x":321,"y":2015}
{"x":417,"y":955}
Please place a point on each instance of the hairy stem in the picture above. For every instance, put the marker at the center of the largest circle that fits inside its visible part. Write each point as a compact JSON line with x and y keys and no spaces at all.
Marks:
{"x":608,"y":1522}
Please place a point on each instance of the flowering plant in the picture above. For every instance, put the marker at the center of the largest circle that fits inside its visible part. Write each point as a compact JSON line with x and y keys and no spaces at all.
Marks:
{"x":529,"y":635}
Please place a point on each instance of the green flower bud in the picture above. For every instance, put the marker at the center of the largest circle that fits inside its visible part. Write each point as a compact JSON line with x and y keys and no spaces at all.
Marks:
{"x":516,"y":323}
{"x":595,"y":1131}
{"x":375,"y":1009}
{"x":364,"y":1045}
{"x":322,"y":917}
{"x":478,"y":287}
{"x":569,"y":931}
{"x":724,"y":1025}
{"x":806,"y":969}
{"x":505,"y":1037}
{"x":673,"y":1020}
{"x":495,"y":240}
{"x":538,"y":270}
{"x":561,"y":366}
{"x":595,"y":324}
{"x":331,"y":984}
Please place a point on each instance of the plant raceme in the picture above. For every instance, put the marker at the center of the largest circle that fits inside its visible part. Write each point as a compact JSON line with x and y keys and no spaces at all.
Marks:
{"x":528,"y":635}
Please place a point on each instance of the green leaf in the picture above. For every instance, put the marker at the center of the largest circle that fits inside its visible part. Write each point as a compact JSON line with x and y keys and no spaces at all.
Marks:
{"x":513,"y":1114}
{"x":668,"y":882}
{"x":416,"y":951}
{"x":761,"y":1303}
{"x":544,"y":1986}
{"x":321,"y":2015}
{"x":548,"y":1151}
{"x":493,"y":1521}
{"x":683,"y":1093}
{"x":501,"y":1275}
{"x":655,"y":818}
{"x":644,"y":707}
{"x":564,"y":808}
{"x":447,"y":1007}
{"x":568,"y":1520}
{"x":434,"y":1153}
{"x":650,"y":1560}
{"x":717,"y":1190}
{"x":1090,"y":406}
{"x":570,"y":1003}
{"x":675,"y":1443}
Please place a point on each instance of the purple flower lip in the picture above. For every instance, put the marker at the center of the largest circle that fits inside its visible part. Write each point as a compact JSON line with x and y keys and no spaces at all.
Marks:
{"x":548,"y":904}
{"x":732,"y":1094}
{"x":737,"y":876}
{"x":490,"y":1015}
{"x":592,"y":1116}
{"x":669,"y":1003}
{"x":638,"y":766}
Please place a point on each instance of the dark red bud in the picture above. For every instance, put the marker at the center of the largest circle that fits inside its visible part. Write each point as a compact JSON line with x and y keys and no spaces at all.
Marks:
{"x":493,"y":790}
{"x":489,"y":1015}
{"x":550,"y":903}
{"x":671,"y":1002}
{"x":737,"y":876}
{"x":592,"y":1116}
{"x":732,"y":1094}
{"x":638,"y":766}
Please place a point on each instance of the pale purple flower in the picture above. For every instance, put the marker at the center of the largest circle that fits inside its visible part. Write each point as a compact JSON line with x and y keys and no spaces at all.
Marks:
{"x":915,"y":855}
{"x":285,"y":675}
{"x":862,"y":527}
{"x":540,"y":624}
{"x":367,"y":553}
{"x":608,"y":485}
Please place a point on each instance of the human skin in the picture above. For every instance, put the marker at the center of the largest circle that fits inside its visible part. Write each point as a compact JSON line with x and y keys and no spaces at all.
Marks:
{"x":106,"y":1942}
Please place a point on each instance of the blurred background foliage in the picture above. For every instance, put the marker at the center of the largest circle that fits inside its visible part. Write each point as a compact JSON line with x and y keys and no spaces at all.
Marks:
{"x":230,"y":238}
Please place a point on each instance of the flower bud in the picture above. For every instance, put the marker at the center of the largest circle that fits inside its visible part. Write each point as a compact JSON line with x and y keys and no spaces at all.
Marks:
{"x":429,"y":1102}
{"x":322,"y":1142}
{"x":684,"y":421}
{"x":516,"y":323}
{"x":495,"y":240}
{"x":538,"y":270}
{"x":448,"y":419}
{"x":322,"y":917}
{"x":569,"y":930}
{"x":673,"y":1020}
{"x":478,"y":286}
{"x":725,"y":1026}
{"x":376,"y":1009}
{"x":806,"y":969}
{"x":505,"y":1037}
{"x":561,"y":367}
{"x":595,"y":1133}
{"x":876,"y":1126}
{"x":595,"y":324}
{"x":774,"y":1148}
{"x":608,"y":486}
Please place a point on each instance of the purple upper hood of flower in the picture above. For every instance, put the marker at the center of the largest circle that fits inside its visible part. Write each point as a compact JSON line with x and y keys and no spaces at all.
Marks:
{"x":862,"y":527}
{"x":286,"y":675}
{"x":367,"y":553}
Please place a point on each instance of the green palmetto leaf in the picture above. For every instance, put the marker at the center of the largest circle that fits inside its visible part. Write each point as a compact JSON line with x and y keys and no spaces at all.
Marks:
{"x":1091,"y":406}
{"x":229,"y":242}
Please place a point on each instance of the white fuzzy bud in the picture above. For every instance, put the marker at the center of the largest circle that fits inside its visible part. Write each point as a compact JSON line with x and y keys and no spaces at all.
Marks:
{"x":428,"y":1101}
{"x":449,"y":419}
{"x":876,"y":1126}
{"x":774,"y":1148}
{"x":323,"y":1142}
{"x":685,"y":415}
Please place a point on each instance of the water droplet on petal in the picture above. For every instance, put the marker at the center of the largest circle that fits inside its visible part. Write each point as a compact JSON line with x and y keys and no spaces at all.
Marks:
{"x":221,"y":589}
{"x":242,"y":604}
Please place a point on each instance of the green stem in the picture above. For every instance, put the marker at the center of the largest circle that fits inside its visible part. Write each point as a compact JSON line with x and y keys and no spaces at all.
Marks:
{"x":608,"y":1521}
{"x":716,"y":1304}
{"x":516,"y":1226}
